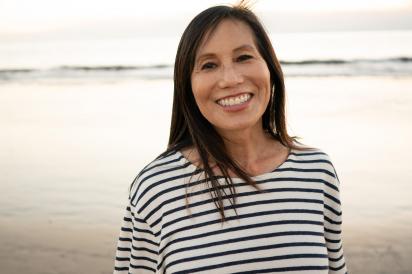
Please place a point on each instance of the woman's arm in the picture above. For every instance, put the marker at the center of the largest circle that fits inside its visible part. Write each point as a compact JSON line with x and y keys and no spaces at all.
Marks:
{"x":333,"y":223}
{"x":136,"y":248}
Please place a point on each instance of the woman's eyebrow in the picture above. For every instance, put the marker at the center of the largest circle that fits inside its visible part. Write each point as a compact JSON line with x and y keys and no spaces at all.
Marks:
{"x":244,"y":47}
{"x":205,"y":56}
{"x":212,"y":55}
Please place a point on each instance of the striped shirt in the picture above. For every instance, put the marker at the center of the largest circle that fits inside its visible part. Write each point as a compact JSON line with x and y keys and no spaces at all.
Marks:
{"x":291,"y":225}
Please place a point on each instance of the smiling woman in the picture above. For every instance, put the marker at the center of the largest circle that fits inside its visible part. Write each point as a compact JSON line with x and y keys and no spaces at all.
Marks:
{"x":233,"y":193}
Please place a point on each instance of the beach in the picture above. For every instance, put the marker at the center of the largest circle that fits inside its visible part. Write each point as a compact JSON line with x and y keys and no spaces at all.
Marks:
{"x":68,"y":160}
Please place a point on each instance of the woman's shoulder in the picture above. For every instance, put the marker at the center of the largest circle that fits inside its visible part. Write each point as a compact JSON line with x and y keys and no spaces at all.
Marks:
{"x":168,"y":164}
{"x":306,"y":151}
{"x":311,"y":157}
{"x":166,"y":160}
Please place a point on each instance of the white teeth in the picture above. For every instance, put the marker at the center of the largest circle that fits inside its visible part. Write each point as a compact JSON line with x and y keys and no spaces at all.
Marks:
{"x":234,"y":101}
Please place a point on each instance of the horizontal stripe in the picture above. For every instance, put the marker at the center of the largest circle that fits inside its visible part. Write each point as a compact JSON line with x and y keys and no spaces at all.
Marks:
{"x":333,"y":222}
{"x":122,"y":239}
{"x":337,"y":268}
{"x":143,"y":258}
{"x":240,"y":239}
{"x":125,"y":229}
{"x":335,"y":250}
{"x":328,"y":230}
{"x":256,"y":260}
{"x":334,"y":211}
{"x":144,"y":249}
{"x":270,"y":212}
{"x":137,"y":239}
{"x":330,"y":197}
{"x":273,"y":258}
{"x":318,"y":170}
{"x":122,"y":259}
{"x":124,"y":249}
{"x":308,"y":161}
{"x":336,"y":259}
{"x":243,"y":250}
{"x":300,"y":154}
{"x":332,"y":241}
{"x":121,"y":268}
{"x":285,"y":269}
{"x":238,"y":218}
{"x":142,"y":267}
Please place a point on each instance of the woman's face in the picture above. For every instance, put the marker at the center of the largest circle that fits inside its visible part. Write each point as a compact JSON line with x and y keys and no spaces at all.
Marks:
{"x":230,"y":79}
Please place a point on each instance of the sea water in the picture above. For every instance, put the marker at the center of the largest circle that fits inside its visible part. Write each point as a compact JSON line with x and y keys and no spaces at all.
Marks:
{"x":373,"y":53}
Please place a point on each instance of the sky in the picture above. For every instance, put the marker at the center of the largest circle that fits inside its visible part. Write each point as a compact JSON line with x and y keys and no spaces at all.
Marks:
{"x":154,"y":17}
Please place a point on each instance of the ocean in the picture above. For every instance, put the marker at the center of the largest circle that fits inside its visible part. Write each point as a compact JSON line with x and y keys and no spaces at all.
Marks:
{"x":323,"y":54}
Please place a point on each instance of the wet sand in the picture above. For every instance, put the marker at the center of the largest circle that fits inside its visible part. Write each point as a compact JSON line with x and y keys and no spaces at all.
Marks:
{"x":38,"y":247}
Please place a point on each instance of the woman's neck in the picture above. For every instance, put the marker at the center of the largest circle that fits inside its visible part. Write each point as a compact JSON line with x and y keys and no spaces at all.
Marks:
{"x":255,"y":151}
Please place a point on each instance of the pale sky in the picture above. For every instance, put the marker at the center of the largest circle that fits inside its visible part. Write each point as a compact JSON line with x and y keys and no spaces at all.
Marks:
{"x":18,"y":17}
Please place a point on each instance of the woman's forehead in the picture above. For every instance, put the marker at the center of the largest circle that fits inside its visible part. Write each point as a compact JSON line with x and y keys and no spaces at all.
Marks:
{"x":228,"y":32}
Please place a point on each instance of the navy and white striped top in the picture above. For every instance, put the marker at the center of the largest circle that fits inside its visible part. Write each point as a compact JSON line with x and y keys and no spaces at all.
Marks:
{"x":292,"y":226}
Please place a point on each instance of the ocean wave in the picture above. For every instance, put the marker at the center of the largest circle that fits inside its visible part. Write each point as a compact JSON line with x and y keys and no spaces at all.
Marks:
{"x":330,"y":67}
{"x":352,"y":61}
{"x":112,"y":68}
{"x":16,"y":70}
{"x":82,"y":68}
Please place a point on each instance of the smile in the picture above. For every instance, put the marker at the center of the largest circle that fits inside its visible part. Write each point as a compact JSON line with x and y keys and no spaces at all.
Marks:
{"x":236,"y":100}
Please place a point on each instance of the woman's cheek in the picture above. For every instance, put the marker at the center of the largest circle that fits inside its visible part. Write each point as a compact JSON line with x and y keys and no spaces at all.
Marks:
{"x":202,"y":87}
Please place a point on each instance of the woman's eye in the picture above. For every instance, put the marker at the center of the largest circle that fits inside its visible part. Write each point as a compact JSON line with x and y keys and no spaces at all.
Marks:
{"x":208,"y":65}
{"x":244,"y":57}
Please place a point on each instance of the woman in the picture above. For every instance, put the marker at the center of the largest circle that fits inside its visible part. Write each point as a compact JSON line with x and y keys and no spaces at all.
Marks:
{"x":234,"y":193}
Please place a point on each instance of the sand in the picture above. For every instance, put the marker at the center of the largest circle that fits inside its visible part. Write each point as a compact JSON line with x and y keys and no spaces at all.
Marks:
{"x":379,"y":247}
{"x":59,"y":248}
{"x":38,"y":247}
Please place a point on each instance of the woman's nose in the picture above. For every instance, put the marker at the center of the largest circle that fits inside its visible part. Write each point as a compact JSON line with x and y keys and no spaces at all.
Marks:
{"x":230,"y":76}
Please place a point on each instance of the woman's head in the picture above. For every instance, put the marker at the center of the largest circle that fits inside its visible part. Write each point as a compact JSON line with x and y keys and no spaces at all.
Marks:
{"x":189,"y":123}
{"x":230,"y":79}
{"x":200,"y":89}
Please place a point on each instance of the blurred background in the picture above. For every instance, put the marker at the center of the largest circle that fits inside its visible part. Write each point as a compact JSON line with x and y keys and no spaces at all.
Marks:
{"x":85,"y":102}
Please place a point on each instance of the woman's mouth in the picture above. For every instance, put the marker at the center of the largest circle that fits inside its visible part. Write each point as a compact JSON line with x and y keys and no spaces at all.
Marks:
{"x":235,"y":100}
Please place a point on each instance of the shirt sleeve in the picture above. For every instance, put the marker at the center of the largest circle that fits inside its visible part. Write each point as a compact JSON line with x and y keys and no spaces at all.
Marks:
{"x":333,"y":223}
{"x":136,"y":248}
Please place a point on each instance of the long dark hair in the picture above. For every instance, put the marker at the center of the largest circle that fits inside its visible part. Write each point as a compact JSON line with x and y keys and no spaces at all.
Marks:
{"x":189,"y":128}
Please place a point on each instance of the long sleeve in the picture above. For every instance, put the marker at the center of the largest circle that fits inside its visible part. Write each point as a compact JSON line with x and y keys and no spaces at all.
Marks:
{"x":136,"y":248}
{"x":333,"y":222}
